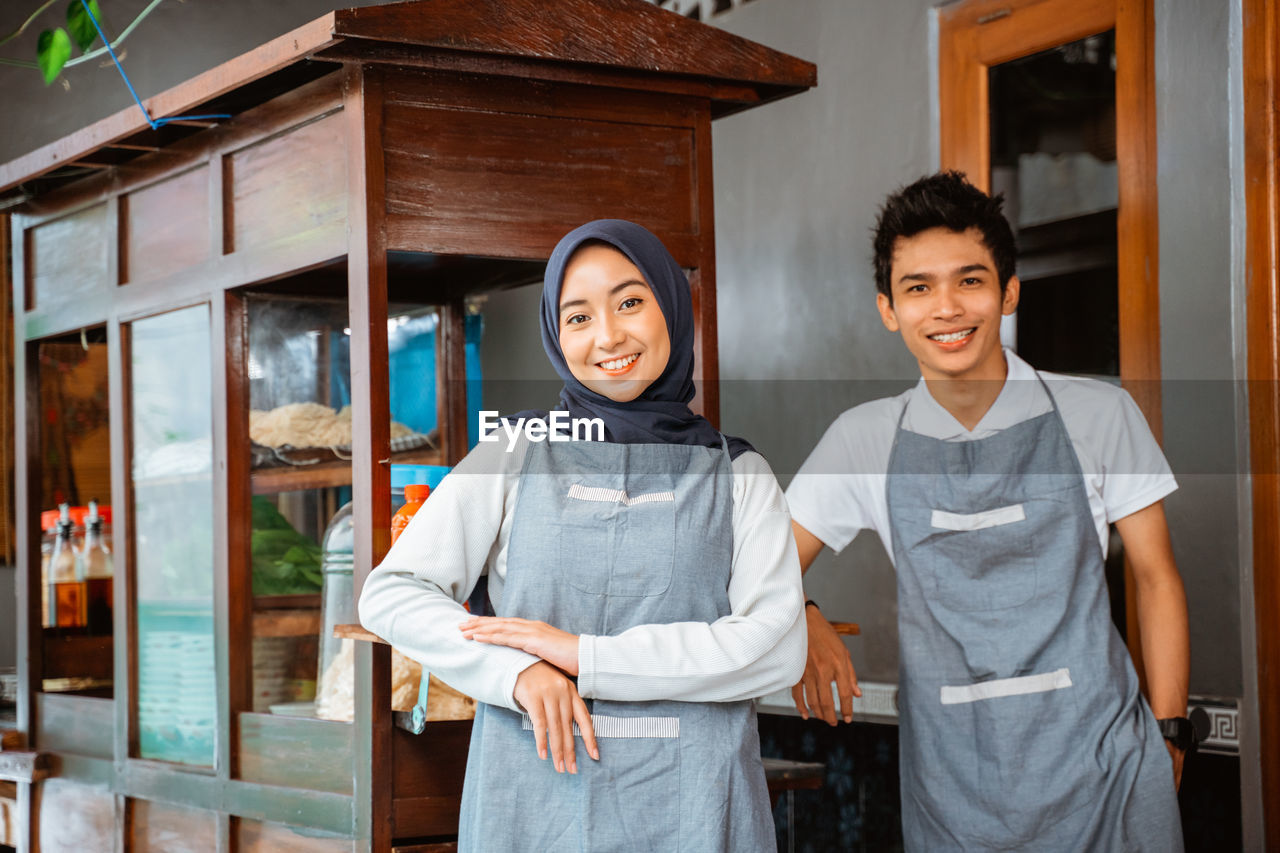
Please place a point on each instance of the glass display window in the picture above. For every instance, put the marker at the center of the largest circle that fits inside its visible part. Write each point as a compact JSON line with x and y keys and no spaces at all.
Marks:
{"x":172,"y":525}
{"x":76,"y":559}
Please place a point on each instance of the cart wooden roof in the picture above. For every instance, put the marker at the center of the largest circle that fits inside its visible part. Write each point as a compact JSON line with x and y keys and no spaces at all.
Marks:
{"x":624,"y":43}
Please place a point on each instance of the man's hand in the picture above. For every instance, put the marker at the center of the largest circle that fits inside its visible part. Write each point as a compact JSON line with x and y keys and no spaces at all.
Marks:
{"x":828,"y":661}
{"x":559,"y":648}
{"x":1178,"y":757}
{"x":552,"y":702}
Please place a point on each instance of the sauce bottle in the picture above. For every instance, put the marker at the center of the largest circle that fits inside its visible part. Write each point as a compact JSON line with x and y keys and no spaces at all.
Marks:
{"x":415,"y":494}
{"x":95,"y":562}
{"x":48,"y":533}
{"x":67,"y":599}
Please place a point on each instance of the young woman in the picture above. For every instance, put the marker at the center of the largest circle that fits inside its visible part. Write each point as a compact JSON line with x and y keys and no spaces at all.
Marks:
{"x":646,"y":586}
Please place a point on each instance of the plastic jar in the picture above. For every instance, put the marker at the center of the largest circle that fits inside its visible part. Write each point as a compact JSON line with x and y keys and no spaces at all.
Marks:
{"x":337,"y":604}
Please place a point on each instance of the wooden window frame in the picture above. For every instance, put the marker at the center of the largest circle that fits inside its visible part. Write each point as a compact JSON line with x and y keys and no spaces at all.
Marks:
{"x":973,"y":36}
{"x":1261,"y":72}
{"x":8,"y":531}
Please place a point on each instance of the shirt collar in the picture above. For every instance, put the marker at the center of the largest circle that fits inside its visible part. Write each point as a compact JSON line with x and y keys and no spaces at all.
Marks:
{"x":1020,"y":399}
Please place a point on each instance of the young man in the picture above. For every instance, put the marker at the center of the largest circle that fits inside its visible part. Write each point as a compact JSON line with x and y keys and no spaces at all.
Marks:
{"x":992,"y":487}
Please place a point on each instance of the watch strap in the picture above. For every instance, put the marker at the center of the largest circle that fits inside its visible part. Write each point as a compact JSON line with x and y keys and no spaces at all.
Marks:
{"x":1179,"y":731}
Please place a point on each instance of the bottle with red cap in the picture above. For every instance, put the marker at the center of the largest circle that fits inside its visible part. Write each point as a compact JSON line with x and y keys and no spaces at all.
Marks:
{"x":415,"y":495}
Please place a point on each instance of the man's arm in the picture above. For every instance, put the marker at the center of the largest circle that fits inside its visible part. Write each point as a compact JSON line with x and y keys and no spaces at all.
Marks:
{"x":828,"y":658}
{"x":1162,"y":615}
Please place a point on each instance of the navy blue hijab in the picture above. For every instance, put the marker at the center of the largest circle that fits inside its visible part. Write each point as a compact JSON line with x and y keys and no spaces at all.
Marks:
{"x":661,"y":414}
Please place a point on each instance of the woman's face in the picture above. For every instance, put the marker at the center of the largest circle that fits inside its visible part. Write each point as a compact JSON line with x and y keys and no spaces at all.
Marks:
{"x":612,"y":332}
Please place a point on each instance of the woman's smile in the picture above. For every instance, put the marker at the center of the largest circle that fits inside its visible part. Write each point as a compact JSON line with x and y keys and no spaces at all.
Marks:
{"x":619,"y":366}
{"x":612,"y":332}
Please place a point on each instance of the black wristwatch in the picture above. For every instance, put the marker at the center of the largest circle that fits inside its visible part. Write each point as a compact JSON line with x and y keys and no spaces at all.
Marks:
{"x":1180,"y":732}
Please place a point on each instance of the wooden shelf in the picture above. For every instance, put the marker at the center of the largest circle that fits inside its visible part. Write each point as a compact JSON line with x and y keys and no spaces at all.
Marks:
{"x":324,"y":475}
{"x":357,"y":632}
{"x":286,"y":615}
{"x":286,"y":623}
{"x":299,"y":601}
{"x":68,"y":655}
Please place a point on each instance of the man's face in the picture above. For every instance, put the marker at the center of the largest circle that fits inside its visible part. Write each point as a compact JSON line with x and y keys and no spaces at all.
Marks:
{"x":947,"y":304}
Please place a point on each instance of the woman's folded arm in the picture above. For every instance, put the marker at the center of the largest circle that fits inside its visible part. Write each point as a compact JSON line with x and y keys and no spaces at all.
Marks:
{"x":759,"y":647}
{"x":413,"y":599}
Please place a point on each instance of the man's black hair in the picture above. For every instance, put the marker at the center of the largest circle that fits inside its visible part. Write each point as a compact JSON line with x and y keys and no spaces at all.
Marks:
{"x":946,"y":200}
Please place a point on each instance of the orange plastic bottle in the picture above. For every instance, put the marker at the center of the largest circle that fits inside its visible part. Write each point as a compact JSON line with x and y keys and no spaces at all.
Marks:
{"x":415,"y":495}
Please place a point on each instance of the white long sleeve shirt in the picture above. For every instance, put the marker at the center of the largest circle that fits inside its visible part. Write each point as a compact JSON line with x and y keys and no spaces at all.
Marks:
{"x":413,"y":599}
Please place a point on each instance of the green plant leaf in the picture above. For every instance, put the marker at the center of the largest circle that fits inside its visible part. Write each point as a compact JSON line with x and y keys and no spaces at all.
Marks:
{"x":81,"y":25}
{"x":52,"y":52}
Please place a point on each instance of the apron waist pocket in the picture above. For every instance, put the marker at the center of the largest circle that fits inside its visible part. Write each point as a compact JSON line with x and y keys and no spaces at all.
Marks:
{"x":624,"y":727}
{"x":601,"y":495}
{"x":1022,"y":685}
{"x":978,"y":520}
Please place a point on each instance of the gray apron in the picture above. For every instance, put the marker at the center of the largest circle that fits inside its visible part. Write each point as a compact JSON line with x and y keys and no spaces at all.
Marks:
{"x":1021,"y":719}
{"x":607,"y":537}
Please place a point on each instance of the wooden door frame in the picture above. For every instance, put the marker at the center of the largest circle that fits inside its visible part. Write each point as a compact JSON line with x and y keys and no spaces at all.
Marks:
{"x":974,"y":35}
{"x":1261,"y":72}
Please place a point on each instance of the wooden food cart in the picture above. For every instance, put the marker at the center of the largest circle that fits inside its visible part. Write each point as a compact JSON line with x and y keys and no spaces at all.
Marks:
{"x":374,"y":164}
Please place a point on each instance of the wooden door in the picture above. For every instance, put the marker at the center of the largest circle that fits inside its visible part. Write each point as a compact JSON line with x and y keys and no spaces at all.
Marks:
{"x":977,"y":35}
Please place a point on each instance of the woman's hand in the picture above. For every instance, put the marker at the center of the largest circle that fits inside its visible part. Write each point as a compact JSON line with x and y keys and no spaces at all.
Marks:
{"x":552,"y":702}
{"x":556,"y":647}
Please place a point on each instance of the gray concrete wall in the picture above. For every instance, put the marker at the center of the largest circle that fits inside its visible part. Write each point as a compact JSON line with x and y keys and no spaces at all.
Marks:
{"x":517,"y":375}
{"x":1198,"y":354}
{"x":797,"y":184}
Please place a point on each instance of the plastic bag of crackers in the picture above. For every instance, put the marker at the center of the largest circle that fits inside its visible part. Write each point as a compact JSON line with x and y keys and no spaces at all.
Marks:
{"x":335,"y":696}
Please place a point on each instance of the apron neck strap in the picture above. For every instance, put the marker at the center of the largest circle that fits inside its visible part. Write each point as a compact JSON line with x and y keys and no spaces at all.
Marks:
{"x":1045,"y":385}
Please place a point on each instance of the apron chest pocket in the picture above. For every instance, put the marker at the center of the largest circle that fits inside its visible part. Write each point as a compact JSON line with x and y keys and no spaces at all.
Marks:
{"x":616,"y":544}
{"x":984,"y":560}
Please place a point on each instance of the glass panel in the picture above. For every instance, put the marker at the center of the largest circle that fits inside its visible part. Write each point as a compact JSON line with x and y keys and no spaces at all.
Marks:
{"x":300,"y":448}
{"x":76,"y":563}
{"x":172,"y":526}
{"x":1053,"y":155}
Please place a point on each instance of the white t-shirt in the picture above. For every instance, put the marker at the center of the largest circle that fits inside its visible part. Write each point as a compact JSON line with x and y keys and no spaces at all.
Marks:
{"x":840,"y":489}
{"x":413,"y":599}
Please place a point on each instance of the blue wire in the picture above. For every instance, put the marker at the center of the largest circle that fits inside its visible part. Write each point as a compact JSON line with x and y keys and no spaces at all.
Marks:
{"x":156,"y":124}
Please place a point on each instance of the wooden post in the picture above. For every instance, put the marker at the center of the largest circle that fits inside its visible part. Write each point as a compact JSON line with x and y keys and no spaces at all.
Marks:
{"x":8,"y":528}
{"x":1262,"y":271}
{"x":232,"y":586}
{"x":370,"y":439}
{"x":702,"y":282}
{"x":26,"y":417}
{"x":451,"y":383}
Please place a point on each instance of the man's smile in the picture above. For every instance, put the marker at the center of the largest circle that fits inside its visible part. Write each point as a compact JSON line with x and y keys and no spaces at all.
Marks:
{"x":953,"y":339}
